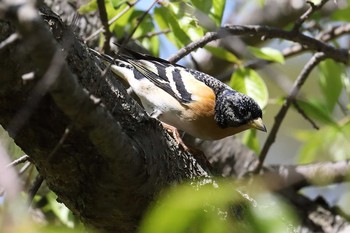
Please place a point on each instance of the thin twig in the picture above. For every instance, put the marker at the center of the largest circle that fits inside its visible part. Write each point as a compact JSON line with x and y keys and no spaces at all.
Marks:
{"x":312,"y":9}
{"x":208,"y":37}
{"x":151,"y":34}
{"x":9,"y":40}
{"x":312,"y":63}
{"x":303,"y":114}
{"x":104,"y":20}
{"x":60,"y":142}
{"x":24,"y":168}
{"x":139,"y":21}
{"x":34,"y":188}
{"x":20,"y":160}
{"x":115,"y":18}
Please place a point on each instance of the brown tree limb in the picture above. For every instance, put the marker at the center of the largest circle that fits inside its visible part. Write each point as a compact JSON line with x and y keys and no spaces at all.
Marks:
{"x":265,"y":32}
{"x":300,"y":176}
{"x":325,"y":36}
{"x":106,"y":158}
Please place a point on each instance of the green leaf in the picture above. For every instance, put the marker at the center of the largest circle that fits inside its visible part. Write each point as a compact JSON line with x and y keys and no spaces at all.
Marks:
{"x":166,"y":19}
{"x":223,"y":54}
{"x":342,"y":14}
{"x":330,"y":82}
{"x":118,"y":3}
{"x":251,"y":140}
{"x":186,"y":208}
{"x":316,"y":109}
{"x":60,"y":210}
{"x":267,"y":53}
{"x":88,"y":7}
{"x":122,"y":25}
{"x":249,"y":82}
{"x":208,"y":207}
{"x":145,"y":26}
{"x":328,"y":143}
{"x":261,"y":3}
{"x":271,"y":214}
{"x":213,"y":8}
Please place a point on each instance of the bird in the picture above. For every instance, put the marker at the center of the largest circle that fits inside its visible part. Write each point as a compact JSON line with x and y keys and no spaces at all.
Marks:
{"x":185,"y":99}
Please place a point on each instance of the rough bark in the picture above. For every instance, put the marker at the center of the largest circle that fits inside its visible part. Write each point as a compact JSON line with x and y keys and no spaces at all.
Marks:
{"x":105,"y":159}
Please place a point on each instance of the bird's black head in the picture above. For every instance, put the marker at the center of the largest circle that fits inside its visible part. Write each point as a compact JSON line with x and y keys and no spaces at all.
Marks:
{"x":234,"y":109}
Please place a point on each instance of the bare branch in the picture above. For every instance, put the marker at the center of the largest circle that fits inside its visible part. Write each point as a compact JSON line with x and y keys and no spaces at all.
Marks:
{"x":341,"y":55}
{"x":312,"y":9}
{"x":151,"y":34}
{"x":208,"y":37}
{"x":325,"y":36}
{"x":34,"y":188}
{"x":264,"y":32}
{"x":9,"y":40}
{"x":20,"y":160}
{"x":312,"y":63}
{"x":303,"y":114}
{"x":299,"y":176}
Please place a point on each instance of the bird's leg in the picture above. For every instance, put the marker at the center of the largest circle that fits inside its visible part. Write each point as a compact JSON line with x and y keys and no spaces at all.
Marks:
{"x":175,"y":133}
{"x":199,"y":155}
{"x":171,"y":129}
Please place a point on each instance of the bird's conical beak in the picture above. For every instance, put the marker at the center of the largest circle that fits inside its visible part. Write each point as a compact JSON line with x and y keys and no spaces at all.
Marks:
{"x":258,"y":124}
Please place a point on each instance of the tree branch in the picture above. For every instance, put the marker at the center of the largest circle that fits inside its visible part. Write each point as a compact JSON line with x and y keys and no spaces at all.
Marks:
{"x":106,"y":151}
{"x":299,"y":176}
{"x":104,"y":21}
{"x":264,"y":32}
{"x":312,"y":9}
{"x":313,"y":62}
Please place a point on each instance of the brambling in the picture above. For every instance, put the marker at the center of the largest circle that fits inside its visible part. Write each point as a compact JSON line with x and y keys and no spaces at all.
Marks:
{"x":186,"y":99}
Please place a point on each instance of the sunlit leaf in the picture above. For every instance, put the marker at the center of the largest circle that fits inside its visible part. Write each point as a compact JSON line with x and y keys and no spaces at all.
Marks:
{"x":316,"y":110}
{"x":213,"y":8}
{"x":186,"y":208}
{"x":144,"y":27}
{"x":267,"y":53}
{"x":88,"y":7}
{"x":328,"y":143}
{"x":271,"y":215}
{"x":118,"y":3}
{"x":60,"y":210}
{"x":214,"y":207}
{"x":122,"y":25}
{"x":330,"y":82}
{"x":166,"y":19}
{"x":346,"y":84}
{"x":261,"y":2}
{"x":249,"y":82}
{"x":223,"y":54}
{"x":342,"y":14}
